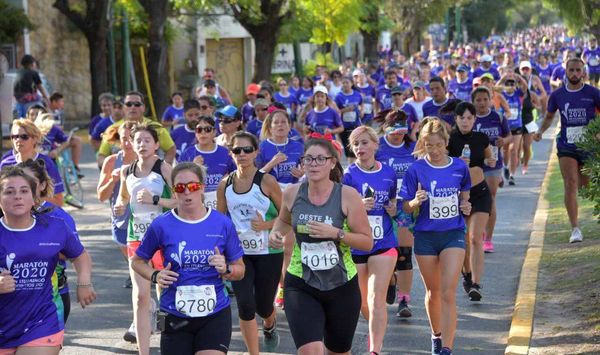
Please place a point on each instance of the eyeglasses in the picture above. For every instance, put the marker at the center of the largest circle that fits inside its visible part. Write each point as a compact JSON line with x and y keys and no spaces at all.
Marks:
{"x":224,"y":121}
{"x":282,"y":84}
{"x":435,"y":146}
{"x":320,"y":159}
{"x":238,"y":150}
{"x":206,"y":129}
{"x":133,"y":103}
{"x":23,"y":137}
{"x":204,"y":107}
{"x":191,"y":186}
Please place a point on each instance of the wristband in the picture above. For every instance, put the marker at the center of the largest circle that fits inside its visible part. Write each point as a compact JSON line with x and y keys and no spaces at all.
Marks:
{"x":84,"y":285}
{"x":154,"y":276}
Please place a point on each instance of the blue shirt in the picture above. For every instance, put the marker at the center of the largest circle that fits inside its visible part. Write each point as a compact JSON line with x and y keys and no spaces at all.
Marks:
{"x":515,"y":104}
{"x":188,"y":245}
{"x":577,"y":110}
{"x":479,"y":71}
{"x":461,"y":91}
{"x":494,"y":126}
{"x":319,"y":120}
{"x":384,"y":97}
{"x":592,"y":59}
{"x":248,"y":113}
{"x":382,"y":182}
{"x":218,"y":163}
{"x":440,"y":212}
{"x":351,"y":119}
{"x":53,"y":138}
{"x":183,"y":138}
{"x":101,"y":127}
{"x":283,"y":171}
{"x":288,"y":101}
{"x":254,"y":127}
{"x":430,"y":108}
{"x":368,"y":94}
{"x":175,"y":115}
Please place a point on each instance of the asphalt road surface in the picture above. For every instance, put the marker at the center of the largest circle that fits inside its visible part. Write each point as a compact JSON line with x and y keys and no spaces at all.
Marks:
{"x":482,"y":327}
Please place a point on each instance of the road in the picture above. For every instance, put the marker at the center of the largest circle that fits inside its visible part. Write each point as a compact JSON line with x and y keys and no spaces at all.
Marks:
{"x":482,"y":327}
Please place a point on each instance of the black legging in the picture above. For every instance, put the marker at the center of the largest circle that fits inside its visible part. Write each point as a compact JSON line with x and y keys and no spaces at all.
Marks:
{"x":255,"y":293}
{"x":66,"y":300}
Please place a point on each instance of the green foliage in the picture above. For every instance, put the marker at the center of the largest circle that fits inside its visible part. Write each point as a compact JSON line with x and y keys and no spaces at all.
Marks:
{"x":579,"y":15}
{"x":527,"y":14}
{"x":12,"y":22}
{"x":310,"y":68}
{"x":591,"y":144}
{"x":331,"y":20}
{"x":484,"y":17}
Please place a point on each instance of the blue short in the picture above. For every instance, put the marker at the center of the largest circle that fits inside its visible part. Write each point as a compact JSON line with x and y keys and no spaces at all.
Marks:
{"x":433,"y":243}
{"x":119,"y":236}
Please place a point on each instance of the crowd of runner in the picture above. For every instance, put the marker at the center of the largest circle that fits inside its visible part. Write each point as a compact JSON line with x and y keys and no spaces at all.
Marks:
{"x":312,"y":196}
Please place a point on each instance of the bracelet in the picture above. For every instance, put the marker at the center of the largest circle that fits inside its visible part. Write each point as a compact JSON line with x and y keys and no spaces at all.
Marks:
{"x":84,"y":285}
{"x":154,"y":276}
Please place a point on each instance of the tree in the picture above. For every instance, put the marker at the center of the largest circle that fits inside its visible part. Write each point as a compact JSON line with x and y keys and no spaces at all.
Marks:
{"x":12,"y":22}
{"x":496,"y":20}
{"x":579,"y":15}
{"x":370,"y":27}
{"x":263,"y":20}
{"x":93,"y":22}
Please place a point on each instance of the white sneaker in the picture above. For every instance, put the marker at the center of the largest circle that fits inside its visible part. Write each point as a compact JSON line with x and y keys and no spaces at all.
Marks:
{"x":576,"y":236}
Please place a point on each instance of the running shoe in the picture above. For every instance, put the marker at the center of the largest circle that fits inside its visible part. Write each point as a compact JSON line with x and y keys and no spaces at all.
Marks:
{"x":475,"y":292}
{"x":390,"y":297}
{"x":511,"y":180}
{"x":446,"y":351}
{"x":525,"y":169}
{"x":467,"y":281}
{"x":403,"y":309}
{"x":488,"y":246}
{"x":129,"y":335}
{"x":128,"y":283}
{"x":576,"y":236}
{"x":436,"y":345}
{"x":506,"y":173}
{"x":271,"y":337}
{"x":279,"y":298}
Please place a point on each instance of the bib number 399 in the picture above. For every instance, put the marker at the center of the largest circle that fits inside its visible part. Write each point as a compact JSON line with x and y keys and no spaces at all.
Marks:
{"x":443,"y":207}
{"x":196,"y":301}
{"x":319,"y":256}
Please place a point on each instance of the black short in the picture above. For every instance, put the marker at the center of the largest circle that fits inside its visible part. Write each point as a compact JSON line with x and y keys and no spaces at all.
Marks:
{"x":480,"y":198}
{"x":579,"y":155}
{"x":516,"y":131}
{"x":189,"y":335}
{"x":345,"y":136}
{"x":363,"y":259}
{"x":594,"y":77}
{"x":328,"y":316}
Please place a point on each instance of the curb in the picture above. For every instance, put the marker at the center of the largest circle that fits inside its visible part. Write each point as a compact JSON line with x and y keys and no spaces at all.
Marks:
{"x":521,"y":327}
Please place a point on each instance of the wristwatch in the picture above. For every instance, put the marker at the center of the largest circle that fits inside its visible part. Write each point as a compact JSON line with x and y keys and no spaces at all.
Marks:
{"x":340,"y":235}
{"x":153,"y":277}
{"x":155,"y":200}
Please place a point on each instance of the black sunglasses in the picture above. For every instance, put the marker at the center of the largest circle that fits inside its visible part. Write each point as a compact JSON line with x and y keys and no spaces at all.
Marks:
{"x":23,"y":137}
{"x":133,"y":103}
{"x":238,"y":150}
{"x":206,"y":129}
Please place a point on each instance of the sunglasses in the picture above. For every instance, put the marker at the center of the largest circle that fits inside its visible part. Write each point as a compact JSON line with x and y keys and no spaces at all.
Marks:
{"x":133,"y":103}
{"x":191,"y":186}
{"x":206,"y":129}
{"x":23,"y":137}
{"x":238,"y":150}
{"x":227,"y":121}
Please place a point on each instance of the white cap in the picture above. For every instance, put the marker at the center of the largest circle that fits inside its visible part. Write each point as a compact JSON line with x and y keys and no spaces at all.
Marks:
{"x":357,"y":72}
{"x":486,"y":58}
{"x":525,"y":64}
{"x":320,"y":88}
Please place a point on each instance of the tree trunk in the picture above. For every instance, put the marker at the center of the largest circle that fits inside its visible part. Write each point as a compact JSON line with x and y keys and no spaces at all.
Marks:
{"x":370,"y":42}
{"x":264,"y":43}
{"x":98,"y":67}
{"x":157,"y":53}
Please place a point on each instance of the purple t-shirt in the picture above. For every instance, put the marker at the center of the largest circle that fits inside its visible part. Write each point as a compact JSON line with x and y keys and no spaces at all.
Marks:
{"x":515,"y":104}
{"x":577,"y":109}
{"x":592,"y":59}
{"x":101,"y":127}
{"x":302,"y":96}
{"x":254,"y":127}
{"x":93,"y":122}
{"x":479,"y":71}
{"x":31,"y":256}
{"x":199,"y":290}
{"x":350,"y":119}
{"x":175,"y":115}
{"x":461,"y":91}
{"x":56,"y":136}
{"x":368,"y":94}
{"x":494,"y":126}
{"x":430,"y":108}
{"x":183,"y":137}
{"x":248,"y":113}
{"x":440,"y":212}
{"x":319,"y":120}
{"x":51,"y":168}
{"x":545,"y":74}
{"x":384,"y":97}
{"x":382,"y":183}
{"x":288,"y":101}
{"x":283,"y":171}
{"x":558,"y":73}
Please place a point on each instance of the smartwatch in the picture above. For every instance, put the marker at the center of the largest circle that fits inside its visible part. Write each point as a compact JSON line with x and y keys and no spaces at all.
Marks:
{"x":155,"y":200}
{"x":341,"y":234}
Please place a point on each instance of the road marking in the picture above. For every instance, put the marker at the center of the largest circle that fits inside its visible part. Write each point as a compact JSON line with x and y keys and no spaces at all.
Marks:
{"x":519,"y":336}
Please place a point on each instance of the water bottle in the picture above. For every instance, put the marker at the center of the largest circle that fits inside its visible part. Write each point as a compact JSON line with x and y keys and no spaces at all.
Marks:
{"x":466,"y":152}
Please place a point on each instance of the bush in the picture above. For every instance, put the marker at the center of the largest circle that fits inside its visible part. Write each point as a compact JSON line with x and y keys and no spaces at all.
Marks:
{"x":591,"y":144}
{"x":320,"y":59}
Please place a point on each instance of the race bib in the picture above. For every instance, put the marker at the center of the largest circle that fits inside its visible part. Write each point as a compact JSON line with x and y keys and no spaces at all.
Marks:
{"x":210,"y":199}
{"x":349,"y":116}
{"x":494,"y":152}
{"x":594,"y":61}
{"x":574,"y":134}
{"x":443,"y":207}
{"x":367,"y":108}
{"x":141,"y":223}
{"x":319,"y":256}
{"x":254,"y":243}
{"x":398,"y":187}
{"x":376,"y":223}
{"x":196,"y":301}
{"x":514,"y":113}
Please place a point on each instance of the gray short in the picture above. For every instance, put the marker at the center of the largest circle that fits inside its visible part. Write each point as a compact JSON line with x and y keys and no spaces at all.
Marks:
{"x":493,"y":173}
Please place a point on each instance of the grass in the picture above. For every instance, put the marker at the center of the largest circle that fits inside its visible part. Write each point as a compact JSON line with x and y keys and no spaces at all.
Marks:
{"x":574,"y":269}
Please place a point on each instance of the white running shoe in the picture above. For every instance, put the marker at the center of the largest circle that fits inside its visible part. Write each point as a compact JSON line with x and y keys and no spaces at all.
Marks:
{"x":576,"y":236}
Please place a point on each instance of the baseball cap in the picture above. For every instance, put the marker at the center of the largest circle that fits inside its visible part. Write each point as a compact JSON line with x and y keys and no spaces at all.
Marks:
{"x":525,"y":64}
{"x":396,"y":90}
{"x":252,"y":89}
{"x":227,"y":111}
{"x":462,"y":67}
{"x":261,"y":102}
{"x":486,"y":58}
{"x":320,"y":88}
{"x":420,"y":84}
{"x":209,"y":82}
{"x":357,"y":72}
{"x":487,"y":76}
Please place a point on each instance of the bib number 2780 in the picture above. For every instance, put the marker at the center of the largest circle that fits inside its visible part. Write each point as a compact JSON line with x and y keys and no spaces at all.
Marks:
{"x":196,"y":301}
